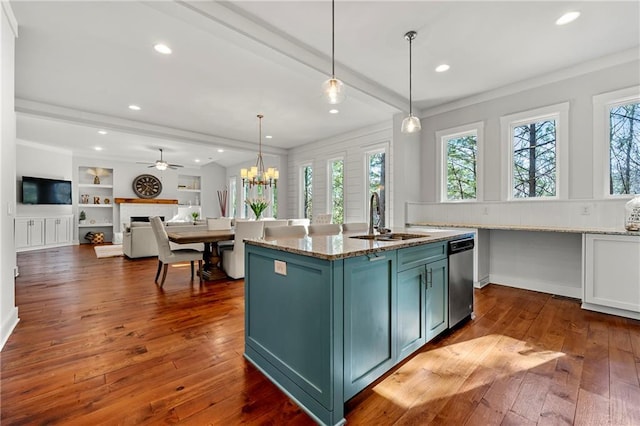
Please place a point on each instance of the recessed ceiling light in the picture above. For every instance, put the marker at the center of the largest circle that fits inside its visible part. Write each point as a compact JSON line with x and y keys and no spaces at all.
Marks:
{"x":567,"y":17}
{"x":333,"y":111}
{"x":162,"y":48}
{"x":220,"y":150}
{"x":268,"y":137}
{"x":134,"y":107}
{"x":197,"y":160}
{"x":98,"y":148}
{"x":442,"y":68}
{"x":102,"y":132}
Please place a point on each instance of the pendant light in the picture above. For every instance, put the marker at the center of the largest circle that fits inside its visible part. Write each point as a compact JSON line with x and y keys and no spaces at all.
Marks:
{"x":257,"y":175}
{"x":410,"y":124}
{"x":333,"y":88}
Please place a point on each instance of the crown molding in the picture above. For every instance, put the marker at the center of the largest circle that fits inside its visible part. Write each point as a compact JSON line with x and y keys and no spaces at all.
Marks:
{"x":43,"y":147}
{"x":69,"y":115}
{"x":619,"y":58}
{"x":250,"y":31}
{"x":382,"y":131}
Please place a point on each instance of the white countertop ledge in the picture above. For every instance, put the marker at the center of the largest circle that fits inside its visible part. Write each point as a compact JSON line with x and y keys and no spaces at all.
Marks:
{"x":606,"y":231}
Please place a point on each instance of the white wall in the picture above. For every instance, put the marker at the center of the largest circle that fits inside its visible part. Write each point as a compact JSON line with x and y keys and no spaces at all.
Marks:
{"x":352,"y":147}
{"x":213,"y":179}
{"x":8,"y":309}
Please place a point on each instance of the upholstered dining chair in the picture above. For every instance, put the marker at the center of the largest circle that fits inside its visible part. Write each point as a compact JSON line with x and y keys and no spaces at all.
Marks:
{"x":275,"y":222}
{"x":297,"y":222}
{"x":322,"y":218}
{"x":355,"y":227}
{"x":325,"y":229}
{"x":294,"y":231}
{"x":233,"y":260}
{"x":167,"y":256}
{"x":218,"y":224}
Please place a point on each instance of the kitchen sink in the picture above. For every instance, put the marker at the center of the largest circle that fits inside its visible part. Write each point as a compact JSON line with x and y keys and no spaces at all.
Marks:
{"x":395,"y":236}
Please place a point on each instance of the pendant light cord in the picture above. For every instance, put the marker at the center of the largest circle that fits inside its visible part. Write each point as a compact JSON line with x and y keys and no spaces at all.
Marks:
{"x":410,"y":96}
{"x":333,"y":39}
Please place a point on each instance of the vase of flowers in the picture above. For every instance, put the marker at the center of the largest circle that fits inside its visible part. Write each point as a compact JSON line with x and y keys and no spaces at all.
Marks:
{"x":195,"y":215}
{"x":257,"y":205}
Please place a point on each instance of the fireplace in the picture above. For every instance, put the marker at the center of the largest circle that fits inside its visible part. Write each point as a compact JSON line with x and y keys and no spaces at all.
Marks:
{"x":143,"y":218}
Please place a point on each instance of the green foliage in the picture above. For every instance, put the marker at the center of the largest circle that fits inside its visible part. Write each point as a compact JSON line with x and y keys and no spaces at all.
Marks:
{"x":534,"y":159}
{"x":257,"y":205}
{"x":195,"y":215}
{"x":82,"y":215}
{"x":624,"y":149}
{"x":462,"y":157}
{"x":377,"y":171}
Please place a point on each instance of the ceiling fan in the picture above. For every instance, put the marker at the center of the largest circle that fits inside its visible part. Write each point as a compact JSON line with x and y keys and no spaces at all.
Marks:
{"x":161,"y":164}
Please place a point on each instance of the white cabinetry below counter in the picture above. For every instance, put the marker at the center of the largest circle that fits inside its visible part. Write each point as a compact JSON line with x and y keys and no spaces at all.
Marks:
{"x":32,"y":233}
{"x":612,"y":274}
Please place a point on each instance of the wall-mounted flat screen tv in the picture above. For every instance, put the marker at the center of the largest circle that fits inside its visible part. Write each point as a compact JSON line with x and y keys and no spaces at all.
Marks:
{"x":45,"y":191}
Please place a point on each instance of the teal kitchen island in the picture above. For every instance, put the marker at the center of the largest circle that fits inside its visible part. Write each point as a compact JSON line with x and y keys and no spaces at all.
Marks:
{"x":325,"y":316}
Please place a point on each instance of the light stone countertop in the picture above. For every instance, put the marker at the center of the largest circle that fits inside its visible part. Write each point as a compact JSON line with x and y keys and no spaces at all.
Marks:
{"x":416,"y":225}
{"x":341,"y":246}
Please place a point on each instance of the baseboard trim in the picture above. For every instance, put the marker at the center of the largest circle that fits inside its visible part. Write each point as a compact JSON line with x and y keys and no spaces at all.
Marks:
{"x":611,"y":311}
{"x":482,"y":283}
{"x":543,"y":287}
{"x":8,"y":326}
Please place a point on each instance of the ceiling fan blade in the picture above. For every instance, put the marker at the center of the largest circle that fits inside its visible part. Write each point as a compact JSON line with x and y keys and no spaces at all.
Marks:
{"x":142,"y":162}
{"x":175,"y":165}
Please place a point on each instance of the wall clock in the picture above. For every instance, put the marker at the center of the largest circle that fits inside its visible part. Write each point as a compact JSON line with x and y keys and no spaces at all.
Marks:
{"x":147,"y":186}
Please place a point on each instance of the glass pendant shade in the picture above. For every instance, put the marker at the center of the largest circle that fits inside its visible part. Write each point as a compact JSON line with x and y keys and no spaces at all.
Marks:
{"x":411,"y":124}
{"x":333,"y":90}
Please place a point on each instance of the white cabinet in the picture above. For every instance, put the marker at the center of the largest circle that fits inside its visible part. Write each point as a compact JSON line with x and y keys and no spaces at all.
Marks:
{"x":29,"y":233}
{"x":612,"y":274}
{"x":57,"y":230}
{"x":189,"y":190}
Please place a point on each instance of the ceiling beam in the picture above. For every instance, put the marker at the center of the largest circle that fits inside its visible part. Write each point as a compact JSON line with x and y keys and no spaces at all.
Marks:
{"x":69,"y":115}
{"x":223,"y":19}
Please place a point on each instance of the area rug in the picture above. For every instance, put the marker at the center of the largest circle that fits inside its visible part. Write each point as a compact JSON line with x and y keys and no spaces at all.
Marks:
{"x":108,"y":251}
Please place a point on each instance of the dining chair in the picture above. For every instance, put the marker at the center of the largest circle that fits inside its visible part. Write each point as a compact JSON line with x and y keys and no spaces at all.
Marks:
{"x":167,"y":256}
{"x":294,"y":231}
{"x":297,"y":222}
{"x":218,"y":224}
{"x":322,"y":218}
{"x":325,"y":229}
{"x":275,"y":222}
{"x":355,"y":227}
{"x":233,"y":260}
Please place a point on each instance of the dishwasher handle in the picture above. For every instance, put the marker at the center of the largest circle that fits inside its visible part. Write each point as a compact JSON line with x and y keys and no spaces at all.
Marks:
{"x":458,"y":246}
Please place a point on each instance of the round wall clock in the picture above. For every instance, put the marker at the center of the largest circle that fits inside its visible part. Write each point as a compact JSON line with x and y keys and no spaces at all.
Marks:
{"x":147,"y":186}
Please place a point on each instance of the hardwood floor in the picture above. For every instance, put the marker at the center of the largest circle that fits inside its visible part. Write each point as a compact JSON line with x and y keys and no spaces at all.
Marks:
{"x":100,"y":343}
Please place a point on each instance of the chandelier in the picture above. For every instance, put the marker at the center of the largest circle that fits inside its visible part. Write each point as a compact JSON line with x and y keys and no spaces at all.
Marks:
{"x":257,"y":175}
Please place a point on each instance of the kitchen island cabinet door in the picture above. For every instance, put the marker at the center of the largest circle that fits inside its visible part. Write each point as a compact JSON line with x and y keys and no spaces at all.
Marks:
{"x":437,"y":311}
{"x":612,"y":274}
{"x":369,"y":323}
{"x":411,"y":310}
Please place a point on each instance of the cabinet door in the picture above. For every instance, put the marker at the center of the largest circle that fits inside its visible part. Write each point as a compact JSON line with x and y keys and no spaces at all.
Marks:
{"x":369,"y":283}
{"x":63,"y":234}
{"x":437,"y":311}
{"x":36,"y":232}
{"x":22,"y":233}
{"x":411,"y":306}
{"x":612,"y":271}
{"x":50,"y":230}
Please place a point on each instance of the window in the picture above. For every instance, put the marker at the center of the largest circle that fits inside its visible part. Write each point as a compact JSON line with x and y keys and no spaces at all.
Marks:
{"x":624,"y":148}
{"x":459,"y":168}
{"x":536,"y":145}
{"x":232,"y":197}
{"x":307,"y":191}
{"x":336,"y":189}
{"x":376,"y":177}
{"x":616,"y":143}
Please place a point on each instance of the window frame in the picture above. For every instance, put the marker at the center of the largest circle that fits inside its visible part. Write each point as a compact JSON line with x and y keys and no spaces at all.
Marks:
{"x":442,"y":136}
{"x":602,"y":105}
{"x":559,"y":112}
{"x":367,"y":183}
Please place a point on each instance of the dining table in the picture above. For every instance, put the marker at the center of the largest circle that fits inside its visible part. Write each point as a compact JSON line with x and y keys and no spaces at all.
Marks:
{"x":211,"y":256}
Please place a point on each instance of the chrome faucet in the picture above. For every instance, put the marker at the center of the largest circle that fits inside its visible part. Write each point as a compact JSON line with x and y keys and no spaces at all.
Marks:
{"x":380,"y":210}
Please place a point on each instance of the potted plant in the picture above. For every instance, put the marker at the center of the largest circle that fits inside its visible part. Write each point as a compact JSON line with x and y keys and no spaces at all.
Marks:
{"x":257,"y":205}
{"x":82,"y":217}
{"x":195,"y":215}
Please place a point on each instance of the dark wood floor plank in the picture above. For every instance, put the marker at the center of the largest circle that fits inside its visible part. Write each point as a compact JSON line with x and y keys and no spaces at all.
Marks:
{"x":99,"y":343}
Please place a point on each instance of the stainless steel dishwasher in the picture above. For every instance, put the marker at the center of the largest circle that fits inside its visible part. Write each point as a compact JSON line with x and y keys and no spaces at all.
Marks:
{"x":460,"y":280}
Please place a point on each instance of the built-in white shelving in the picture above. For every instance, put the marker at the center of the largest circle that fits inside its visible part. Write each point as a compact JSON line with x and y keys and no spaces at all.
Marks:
{"x":91,"y":200}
